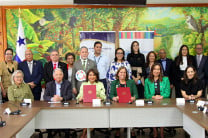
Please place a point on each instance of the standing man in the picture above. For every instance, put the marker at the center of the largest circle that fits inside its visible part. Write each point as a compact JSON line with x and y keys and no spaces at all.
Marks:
{"x":52,"y":65}
{"x":33,"y":73}
{"x":80,"y":69}
{"x":166,"y":64}
{"x":101,"y":61}
{"x":201,"y":63}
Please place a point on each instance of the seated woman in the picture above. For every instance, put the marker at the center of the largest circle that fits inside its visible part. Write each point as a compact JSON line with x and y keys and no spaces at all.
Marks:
{"x":191,"y":86}
{"x":19,"y":90}
{"x":123,"y":81}
{"x":157,"y":87}
{"x":92,"y":79}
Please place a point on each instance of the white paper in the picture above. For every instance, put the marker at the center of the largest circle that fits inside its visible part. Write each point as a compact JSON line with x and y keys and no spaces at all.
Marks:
{"x":180,"y":101}
{"x":139,"y":102}
{"x":96,"y":102}
{"x":28,"y":101}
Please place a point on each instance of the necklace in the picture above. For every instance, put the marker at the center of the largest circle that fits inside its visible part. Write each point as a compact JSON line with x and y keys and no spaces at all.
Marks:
{"x":10,"y":71}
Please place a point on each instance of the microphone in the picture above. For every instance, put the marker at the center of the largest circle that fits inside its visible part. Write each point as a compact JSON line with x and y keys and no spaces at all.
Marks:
{"x":148,"y":101}
{"x":2,"y":123}
{"x":107,"y":101}
{"x":17,"y":112}
{"x":65,"y":101}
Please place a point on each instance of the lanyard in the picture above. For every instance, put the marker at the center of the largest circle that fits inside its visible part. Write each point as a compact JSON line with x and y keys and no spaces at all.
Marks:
{"x":98,"y":60}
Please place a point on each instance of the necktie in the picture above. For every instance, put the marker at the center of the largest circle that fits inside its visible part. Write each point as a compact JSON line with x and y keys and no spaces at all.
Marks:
{"x":54,"y":66}
{"x":198,"y":60}
{"x":30,"y":67}
{"x":83,"y":64}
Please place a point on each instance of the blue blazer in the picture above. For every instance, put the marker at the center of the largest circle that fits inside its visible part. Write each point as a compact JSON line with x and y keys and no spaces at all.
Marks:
{"x":37,"y":73}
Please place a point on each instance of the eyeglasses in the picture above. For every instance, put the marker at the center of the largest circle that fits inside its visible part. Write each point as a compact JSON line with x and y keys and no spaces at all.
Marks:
{"x":8,"y":54}
{"x":119,"y":53}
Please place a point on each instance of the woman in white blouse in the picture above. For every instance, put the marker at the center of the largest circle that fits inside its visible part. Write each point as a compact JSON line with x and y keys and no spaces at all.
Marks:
{"x":180,"y":63}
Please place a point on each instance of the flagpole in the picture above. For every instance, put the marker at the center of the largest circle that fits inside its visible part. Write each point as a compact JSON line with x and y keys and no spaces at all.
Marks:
{"x":19,"y":12}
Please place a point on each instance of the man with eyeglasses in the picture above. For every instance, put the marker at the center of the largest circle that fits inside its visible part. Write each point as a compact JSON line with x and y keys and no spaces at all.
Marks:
{"x":201,"y":62}
{"x":33,"y":73}
{"x":52,"y":65}
{"x":80,"y":69}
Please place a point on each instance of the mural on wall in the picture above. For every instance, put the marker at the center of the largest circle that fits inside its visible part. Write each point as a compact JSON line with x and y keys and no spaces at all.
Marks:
{"x":47,"y":29}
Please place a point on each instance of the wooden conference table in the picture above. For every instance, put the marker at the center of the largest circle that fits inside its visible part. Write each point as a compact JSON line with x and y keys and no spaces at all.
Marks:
{"x":43,"y":115}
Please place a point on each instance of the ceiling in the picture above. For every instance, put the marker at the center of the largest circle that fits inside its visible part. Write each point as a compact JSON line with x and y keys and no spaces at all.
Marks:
{"x":70,"y":2}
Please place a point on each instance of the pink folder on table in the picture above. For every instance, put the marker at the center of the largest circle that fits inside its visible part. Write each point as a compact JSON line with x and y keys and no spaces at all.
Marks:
{"x":89,"y":93}
{"x":124,"y":94}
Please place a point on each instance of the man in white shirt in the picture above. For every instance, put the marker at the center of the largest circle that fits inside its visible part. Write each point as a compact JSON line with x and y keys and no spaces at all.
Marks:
{"x":101,"y":61}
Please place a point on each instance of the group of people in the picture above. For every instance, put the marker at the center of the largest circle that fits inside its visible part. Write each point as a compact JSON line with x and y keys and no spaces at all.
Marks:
{"x":150,"y":79}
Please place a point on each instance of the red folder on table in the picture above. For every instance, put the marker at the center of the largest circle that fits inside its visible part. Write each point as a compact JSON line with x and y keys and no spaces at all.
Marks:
{"x":124,"y":94}
{"x":89,"y":93}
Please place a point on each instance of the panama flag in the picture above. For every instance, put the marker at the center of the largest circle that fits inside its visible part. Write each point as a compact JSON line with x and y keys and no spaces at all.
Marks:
{"x":21,"y":43}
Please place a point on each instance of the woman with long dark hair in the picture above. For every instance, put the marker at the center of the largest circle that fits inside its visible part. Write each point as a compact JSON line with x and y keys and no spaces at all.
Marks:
{"x":137,"y":62}
{"x":191,"y":86}
{"x":150,"y":60}
{"x":180,"y":64}
{"x":157,"y":87}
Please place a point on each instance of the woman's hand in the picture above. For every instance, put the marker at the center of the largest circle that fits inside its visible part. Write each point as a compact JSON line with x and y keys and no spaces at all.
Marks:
{"x":157,"y":97}
{"x":115,"y":98}
{"x":133,"y":99}
{"x":81,"y":99}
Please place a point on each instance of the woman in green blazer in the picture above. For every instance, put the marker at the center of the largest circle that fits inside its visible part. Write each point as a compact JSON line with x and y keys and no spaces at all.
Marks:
{"x":157,"y":87}
{"x":123,"y":81}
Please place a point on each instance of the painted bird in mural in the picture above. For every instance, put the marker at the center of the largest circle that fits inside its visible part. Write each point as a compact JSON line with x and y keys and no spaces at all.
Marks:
{"x":192,"y":24}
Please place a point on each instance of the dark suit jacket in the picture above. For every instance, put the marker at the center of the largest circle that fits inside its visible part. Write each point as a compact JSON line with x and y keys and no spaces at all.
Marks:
{"x":78,"y":66}
{"x":66,"y":90}
{"x":48,"y":71}
{"x":36,"y":76}
{"x":201,"y":68}
{"x":206,"y":71}
{"x":168,"y":69}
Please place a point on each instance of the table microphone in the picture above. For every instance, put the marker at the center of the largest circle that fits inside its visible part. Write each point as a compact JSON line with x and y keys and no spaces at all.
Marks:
{"x":107,"y":101}
{"x":149,"y":101}
{"x":65,"y":101}
{"x":17,"y":112}
{"x":2,"y":123}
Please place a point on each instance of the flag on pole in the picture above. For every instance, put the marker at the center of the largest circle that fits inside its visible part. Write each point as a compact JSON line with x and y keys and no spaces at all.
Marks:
{"x":21,"y":43}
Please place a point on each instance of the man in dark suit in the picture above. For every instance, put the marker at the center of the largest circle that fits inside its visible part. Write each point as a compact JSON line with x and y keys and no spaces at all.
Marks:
{"x":166,"y":64}
{"x":53,"y":64}
{"x":33,"y":73}
{"x":58,"y":89}
{"x":201,"y":63}
{"x":80,"y":69}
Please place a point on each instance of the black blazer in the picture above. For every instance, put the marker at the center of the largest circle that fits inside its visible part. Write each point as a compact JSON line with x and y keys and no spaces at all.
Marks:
{"x":48,"y":71}
{"x":177,"y":73}
{"x":66,"y":90}
{"x":168,"y":68}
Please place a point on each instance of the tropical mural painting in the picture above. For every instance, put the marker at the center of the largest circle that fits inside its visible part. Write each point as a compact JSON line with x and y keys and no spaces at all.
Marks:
{"x":47,"y":29}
